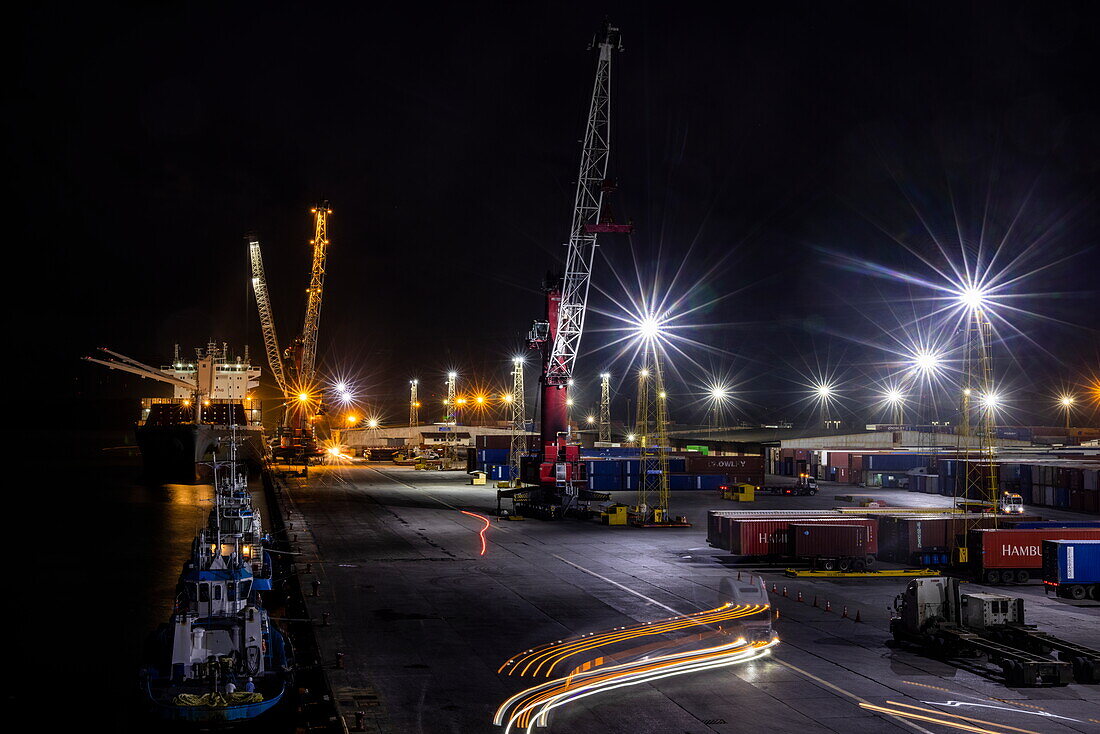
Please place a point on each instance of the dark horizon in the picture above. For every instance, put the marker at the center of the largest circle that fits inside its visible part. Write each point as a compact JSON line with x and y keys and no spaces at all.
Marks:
{"x":786,"y":160}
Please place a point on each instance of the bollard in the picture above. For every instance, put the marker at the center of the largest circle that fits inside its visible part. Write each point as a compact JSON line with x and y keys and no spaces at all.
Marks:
{"x":815,"y":600}
{"x":339,"y":660}
{"x":858,"y":619}
{"x":309,"y":568}
{"x":295,"y":538}
{"x":738,"y":575}
{"x":290,"y":526}
{"x":324,"y":619}
{"x":800,"y":596}
{"x":316,"y":586}
{"x":844,"y":614}
{"x":784,"y":591}
{"x":828,"y":606}
{"x":360,"y":721}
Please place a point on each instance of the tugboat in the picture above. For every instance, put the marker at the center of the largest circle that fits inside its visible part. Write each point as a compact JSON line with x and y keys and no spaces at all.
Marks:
{"x":234,"y":518}
{"x":219,"y":641}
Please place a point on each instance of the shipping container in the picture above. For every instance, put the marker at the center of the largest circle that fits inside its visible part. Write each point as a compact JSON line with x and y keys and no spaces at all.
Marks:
{"x":1072,"y":567}
{"x":1061,"y":497}
{"x":771,"y":537}
{"x":678,"y":482}
{"x":604,"y":483}
{"x":725,"y":464}
{"x":1006,"y":555}
{"x":1052,"y":524}
{"x":894,"y":462}
{"x":1089,"y":479}
{"x":828,"y":540}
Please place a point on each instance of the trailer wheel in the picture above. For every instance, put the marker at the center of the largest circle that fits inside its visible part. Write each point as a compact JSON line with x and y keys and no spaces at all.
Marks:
{"x":992,"y":576}
{"x":1013,"y":673}
{"x":812,"y":492}
{"x":1022,"y":576}
{"x":869,"y":561}
{"x":845,"y":564}
{"x":1008,"y":577}
{"x":828,"y":564}
{"x":1077,"y":592}
{"x":1092,"y":592}
{"x":858,"y":564}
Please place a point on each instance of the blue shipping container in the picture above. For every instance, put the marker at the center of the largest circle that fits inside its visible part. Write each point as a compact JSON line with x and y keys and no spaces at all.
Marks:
{"x":709,"y":481}
{"x":894,"y":462}
{"x":605,"y":467}
{"x":1061,"y":496}
{"x":680,"y":482}
{"x":599,"y":483}
{"x":1071,"y":561}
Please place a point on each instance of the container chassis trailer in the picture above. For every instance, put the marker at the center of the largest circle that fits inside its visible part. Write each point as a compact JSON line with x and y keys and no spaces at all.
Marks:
{"x":932,"y":614}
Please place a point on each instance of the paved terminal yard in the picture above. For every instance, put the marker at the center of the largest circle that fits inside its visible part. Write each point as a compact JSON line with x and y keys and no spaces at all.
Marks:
{"x":424,"y":621}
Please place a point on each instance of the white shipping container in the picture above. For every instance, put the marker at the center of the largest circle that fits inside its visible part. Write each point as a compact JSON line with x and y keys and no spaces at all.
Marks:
{"x":1048,"y":496}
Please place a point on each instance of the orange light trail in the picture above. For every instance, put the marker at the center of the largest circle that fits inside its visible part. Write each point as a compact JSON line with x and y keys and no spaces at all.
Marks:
{"x":481,"y":533}
{"x":945,"y":722}
{"x":536,"y":703}
{"x":556,"y":652}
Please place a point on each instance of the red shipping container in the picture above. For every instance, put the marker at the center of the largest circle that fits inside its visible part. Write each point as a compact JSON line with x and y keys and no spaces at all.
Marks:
{"x":839,"y":459}
{"x":725,"y":464}
{"x":815,"y":539}
{"x":1003,"y":548}
{"x":786,"y":453}
{"x":842,"y":474}
{"x":802,"y":454}
{"x":856,"y":465}
{"x":771,"y":537}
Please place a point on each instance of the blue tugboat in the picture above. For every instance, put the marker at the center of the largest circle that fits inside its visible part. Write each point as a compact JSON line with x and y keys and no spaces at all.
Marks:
{"x":219,"y":660}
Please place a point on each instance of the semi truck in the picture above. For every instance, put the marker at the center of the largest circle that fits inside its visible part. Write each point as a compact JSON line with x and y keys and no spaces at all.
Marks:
{"x":933,"y":614}
{"x":1072,"y":568}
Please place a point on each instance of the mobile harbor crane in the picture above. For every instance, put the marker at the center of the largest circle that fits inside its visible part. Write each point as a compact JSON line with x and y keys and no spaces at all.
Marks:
{"x":294,"y":369}
{"x":558,"y":337}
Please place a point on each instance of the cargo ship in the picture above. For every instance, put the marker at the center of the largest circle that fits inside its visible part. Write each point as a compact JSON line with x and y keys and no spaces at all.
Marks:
{"x":176,"y":447}
{"x":212,"y":398}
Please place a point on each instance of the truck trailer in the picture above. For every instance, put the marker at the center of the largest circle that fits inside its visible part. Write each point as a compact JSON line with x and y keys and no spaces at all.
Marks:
{"x":934,"y":615}
{"x":1006,"y":556}
{"x":1072,"y":568}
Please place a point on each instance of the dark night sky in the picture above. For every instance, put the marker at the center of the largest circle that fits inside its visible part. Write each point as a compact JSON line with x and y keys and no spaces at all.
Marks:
{"x":755,"y":145}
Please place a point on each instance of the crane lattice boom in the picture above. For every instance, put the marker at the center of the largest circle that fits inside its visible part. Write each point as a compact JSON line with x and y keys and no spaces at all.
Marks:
{"x":316,"y":290}
{"x":267,"y":321}
{"x":586,"y":214}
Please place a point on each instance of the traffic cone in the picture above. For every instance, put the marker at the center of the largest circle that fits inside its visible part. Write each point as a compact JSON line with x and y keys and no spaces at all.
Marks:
{"x":828,"y":606}
{"x":774,"y":589}
{"x":784,"y":591}
{"x":844,"y":614}
{"x":800,"y":596}
{"x":858,"y":617}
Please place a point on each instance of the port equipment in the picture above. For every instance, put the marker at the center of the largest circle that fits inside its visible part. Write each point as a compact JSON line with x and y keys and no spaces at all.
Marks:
{"x":979,"y":476}
{"x":738,"y":492}
{"x":294,"y":368}
{"x":933,"y":614}
{"x":518,"y":446}
{"x":558,"y":337}
{"x":651,"y":436}
{"x":605,"y":407}
{"x":882,"y":573}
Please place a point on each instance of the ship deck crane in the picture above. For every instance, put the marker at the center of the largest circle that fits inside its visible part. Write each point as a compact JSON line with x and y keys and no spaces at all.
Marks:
{"x":203,"y":384}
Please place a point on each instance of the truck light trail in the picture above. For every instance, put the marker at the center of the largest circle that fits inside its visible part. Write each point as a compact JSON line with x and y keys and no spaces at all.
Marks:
{"x":532,"y":706}
{"x":556,"y":652}
{"x":481,"y":533}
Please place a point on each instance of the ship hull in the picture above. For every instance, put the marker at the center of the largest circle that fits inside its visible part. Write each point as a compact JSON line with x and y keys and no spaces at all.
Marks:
{"x":175,"y":453}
